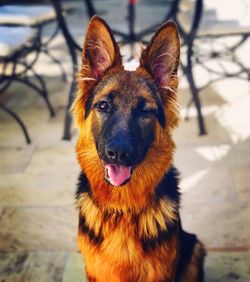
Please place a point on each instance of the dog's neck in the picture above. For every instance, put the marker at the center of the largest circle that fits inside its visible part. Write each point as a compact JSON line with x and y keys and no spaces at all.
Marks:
{"x":166,"y":190}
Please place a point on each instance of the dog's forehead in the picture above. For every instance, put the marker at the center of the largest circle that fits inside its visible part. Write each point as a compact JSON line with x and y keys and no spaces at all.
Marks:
{"x":127,"y":85}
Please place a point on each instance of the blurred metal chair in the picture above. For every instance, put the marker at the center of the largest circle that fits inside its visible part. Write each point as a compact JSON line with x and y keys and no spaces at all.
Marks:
{"x":211,"y":50}
{"x":12,"y":43}
{"x":211,"y":40}
{"x":21,"y":30}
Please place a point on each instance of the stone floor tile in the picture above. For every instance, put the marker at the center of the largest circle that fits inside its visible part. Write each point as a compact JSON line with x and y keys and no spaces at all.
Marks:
{"x":32,"y":267}
{"x":207,"y":189}
{"x":241,"y":177}
{"x":187,"y":132}
{"x":49,"y":131}
{"x":38,"y":229}
{"x":61,"y":157}
{"x":220,"y":225}
{"x":227,"y":267}
{"x":74,"y":269}
{"x":23,"y":156}
{"x":41,"y":188}
{"x":238,"y":154}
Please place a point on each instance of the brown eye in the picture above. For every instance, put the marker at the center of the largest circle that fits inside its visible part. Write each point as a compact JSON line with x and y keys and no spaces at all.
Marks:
{"x":103,"y":106}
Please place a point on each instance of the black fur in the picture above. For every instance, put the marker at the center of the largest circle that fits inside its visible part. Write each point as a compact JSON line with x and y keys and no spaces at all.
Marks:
{"x":151,"y":243}
{"x":82,"y":186}
{"x":89,"y":103}
{"x":169,"y":185}
{"x":187,"y":244}
{"x":95,"y":238}
{"x":155,"y":94}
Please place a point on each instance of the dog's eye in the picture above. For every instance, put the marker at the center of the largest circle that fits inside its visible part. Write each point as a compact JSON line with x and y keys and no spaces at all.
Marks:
{"x":103,"y":106}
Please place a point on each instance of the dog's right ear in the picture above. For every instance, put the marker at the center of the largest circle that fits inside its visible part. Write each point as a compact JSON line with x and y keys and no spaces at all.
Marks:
{"x":100,"y":51}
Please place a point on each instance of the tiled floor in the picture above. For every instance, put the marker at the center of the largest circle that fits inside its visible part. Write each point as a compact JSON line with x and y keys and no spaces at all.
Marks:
{"x":38,"y":221}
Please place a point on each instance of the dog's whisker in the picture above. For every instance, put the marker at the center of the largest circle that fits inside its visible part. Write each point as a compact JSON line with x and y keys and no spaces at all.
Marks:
{"x":87,"y":78}
{"x":166,"y":54}
{"x":170,"y":89}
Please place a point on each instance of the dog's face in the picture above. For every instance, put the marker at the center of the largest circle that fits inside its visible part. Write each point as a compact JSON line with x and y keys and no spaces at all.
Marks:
{"x":124,"y":115}
{"x":125,"y":108}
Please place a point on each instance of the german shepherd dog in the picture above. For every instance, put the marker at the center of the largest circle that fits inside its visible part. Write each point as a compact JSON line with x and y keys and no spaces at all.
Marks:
{"x":128,"y":197}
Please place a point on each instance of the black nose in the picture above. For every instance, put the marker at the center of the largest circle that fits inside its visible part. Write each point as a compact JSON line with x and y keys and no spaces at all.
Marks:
{"x":118,"y":152}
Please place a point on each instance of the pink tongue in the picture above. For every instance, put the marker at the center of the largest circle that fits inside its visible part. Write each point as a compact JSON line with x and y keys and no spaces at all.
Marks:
{"x":117,"y":174}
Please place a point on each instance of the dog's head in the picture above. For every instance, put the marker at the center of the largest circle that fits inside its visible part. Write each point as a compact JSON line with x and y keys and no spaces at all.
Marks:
{"x":126,"y":117}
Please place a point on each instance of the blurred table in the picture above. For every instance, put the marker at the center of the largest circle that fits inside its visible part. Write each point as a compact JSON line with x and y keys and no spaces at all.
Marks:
{"x":21,"y":44}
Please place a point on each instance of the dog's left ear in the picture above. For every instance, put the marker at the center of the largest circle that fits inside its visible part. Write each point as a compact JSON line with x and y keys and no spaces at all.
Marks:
{"x":100,"y":50}
{"x":161,"y":57}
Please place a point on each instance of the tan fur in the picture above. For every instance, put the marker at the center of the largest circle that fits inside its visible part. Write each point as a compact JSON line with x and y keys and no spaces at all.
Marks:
{"x":147,"y":219}
{"x":122,"y":259}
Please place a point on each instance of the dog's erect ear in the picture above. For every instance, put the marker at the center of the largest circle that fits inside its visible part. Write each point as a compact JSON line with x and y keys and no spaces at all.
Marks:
{"x":100,"y":51}
{"x":161,"y":57}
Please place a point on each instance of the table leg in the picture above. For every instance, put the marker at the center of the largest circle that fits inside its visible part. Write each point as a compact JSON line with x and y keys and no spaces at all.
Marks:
{"x":73,"y":54}
{"x":68,"y":119}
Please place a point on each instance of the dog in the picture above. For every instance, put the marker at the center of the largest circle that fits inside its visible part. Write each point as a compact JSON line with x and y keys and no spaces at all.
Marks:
{"x":128,"y":196}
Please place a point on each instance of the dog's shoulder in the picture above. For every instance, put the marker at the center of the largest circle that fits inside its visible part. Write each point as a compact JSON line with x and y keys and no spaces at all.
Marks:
{"x":169,"y":185}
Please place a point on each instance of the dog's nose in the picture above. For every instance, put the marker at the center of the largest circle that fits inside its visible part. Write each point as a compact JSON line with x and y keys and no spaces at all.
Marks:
{"x":120,"y":153}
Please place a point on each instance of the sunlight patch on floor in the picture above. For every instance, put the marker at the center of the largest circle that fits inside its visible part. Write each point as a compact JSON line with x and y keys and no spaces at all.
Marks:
{"x":234,"y":117}
{"x":213,"y":153}
{"x":192,"y":113}
{"x":189,"y":182}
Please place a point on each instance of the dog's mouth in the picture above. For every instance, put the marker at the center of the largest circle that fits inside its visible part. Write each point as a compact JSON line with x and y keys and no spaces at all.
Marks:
{"x":117,"y":174}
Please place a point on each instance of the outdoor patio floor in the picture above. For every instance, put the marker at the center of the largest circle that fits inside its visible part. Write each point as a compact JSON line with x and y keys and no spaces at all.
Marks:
{"x":38,"y":221}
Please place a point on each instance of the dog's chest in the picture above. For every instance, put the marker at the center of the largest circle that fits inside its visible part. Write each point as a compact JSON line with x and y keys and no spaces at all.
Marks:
{"x":127,"y":243}
{"x":126,"y":236}
{"x":121,"y":252}
{"x":121,"y":243}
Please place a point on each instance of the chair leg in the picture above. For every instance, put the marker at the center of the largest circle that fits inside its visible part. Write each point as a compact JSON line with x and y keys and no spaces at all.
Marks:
{"x":19,"y":121}
{"x":73,"y":47}
{"x":68,"y":119}
{"x":195,"y":92}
